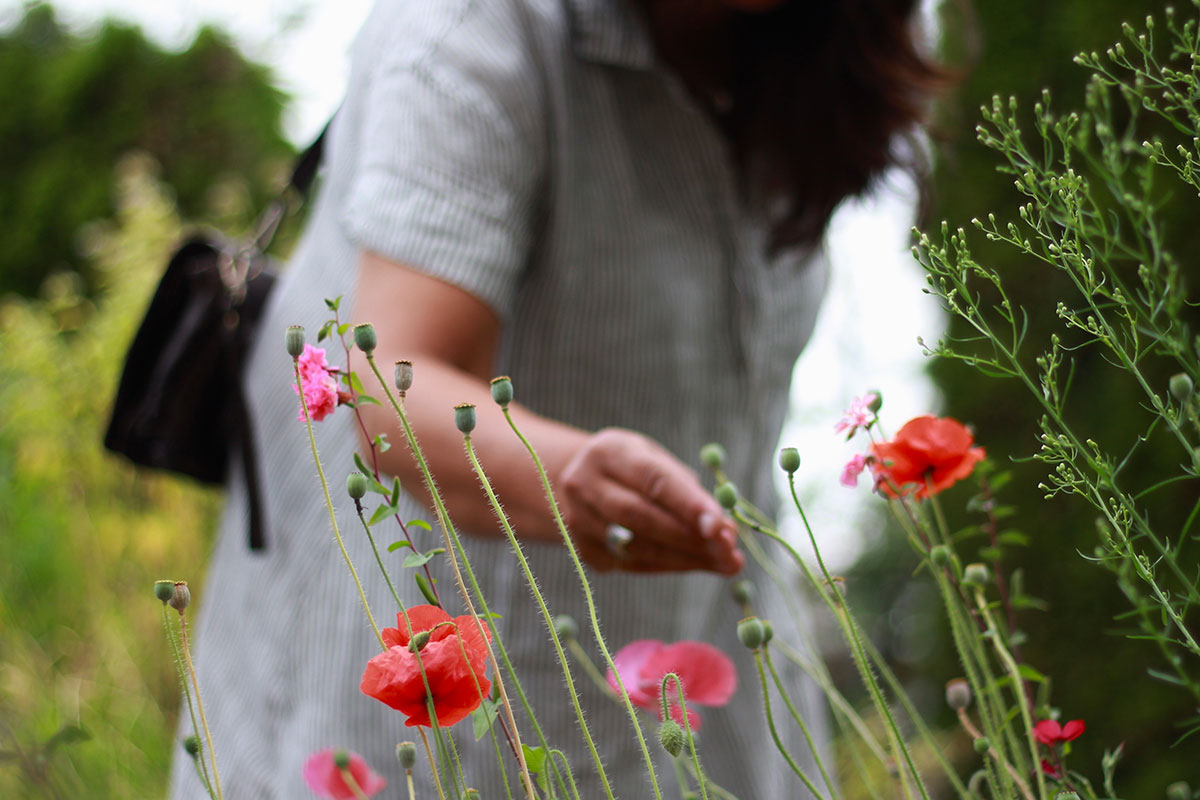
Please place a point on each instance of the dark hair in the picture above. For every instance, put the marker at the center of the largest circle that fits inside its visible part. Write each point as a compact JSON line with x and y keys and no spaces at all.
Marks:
{"x":824,"y":96}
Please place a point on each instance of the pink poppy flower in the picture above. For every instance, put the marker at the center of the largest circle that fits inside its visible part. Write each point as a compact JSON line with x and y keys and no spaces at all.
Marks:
{"x":859,"y":415}
{"x":1050,"y":733}
{"x":707,"y":675}
{"x":320,"y":387}
{"x":852,"y":470}
{"x":325,"y":779}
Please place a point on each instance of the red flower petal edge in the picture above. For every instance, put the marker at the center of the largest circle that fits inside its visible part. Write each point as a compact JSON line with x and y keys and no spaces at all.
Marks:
{"x":325,"y":779}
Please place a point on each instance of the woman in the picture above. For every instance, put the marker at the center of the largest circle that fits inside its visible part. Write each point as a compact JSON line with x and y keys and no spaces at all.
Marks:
{"x":620,"y":205}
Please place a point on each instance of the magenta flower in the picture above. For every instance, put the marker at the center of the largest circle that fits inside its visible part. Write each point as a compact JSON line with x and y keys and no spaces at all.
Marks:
{"x":859,"y":415}
{"x":852,"y":470}
{"x":320,"y":387}
{"x":325,"y":779}
{"x":707,"y":675}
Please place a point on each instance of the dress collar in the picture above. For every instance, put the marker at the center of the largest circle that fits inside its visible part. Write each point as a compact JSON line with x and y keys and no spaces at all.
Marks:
{"x":610,"y":32}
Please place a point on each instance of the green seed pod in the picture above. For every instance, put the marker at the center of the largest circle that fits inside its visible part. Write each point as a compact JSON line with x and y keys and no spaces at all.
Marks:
{"x":464,"y":417}
{"x":191,"y":745}
{"x":727,"y":495}
{"x":742,"y":591}
{"x":751,"y":633}
{"x":768,"y":631}
{"x":982,"y":745}
{"x":712,"y":455}
{"x":181,"y":596}
{"x":293,"y":340}
{"x":671,"y":736}
{"x":1179,"y":790}
{"x":566,"y":627}
{"x":472,"y":794}
{"x":356,"y":485}
{"x":976,"y":575}
{"x":958,"y":694}
{"x":1066,"y":796}
{"x":164,"y":590}
{"x":403,"y":376}
{"x":789,"y":459}
{"x":341,"y":759}
{"x":940,"y":555}
{"x":877,"y":403}
{"x":1181,"y":386}
{"x":406,"y":754}
{"x":365,"y":338}
{"x":502,"y":390}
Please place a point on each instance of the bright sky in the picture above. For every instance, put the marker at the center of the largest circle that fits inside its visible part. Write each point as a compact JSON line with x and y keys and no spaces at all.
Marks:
{"x":865,"y":339}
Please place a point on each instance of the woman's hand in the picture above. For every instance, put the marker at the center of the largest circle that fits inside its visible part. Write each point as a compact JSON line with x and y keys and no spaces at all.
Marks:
{"x":624,"y":478}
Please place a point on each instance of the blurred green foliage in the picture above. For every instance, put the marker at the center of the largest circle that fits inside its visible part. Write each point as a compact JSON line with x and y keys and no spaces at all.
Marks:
{"x":72,"y":105}
{"x":85,"y":534}
{"x":1023,"y":47}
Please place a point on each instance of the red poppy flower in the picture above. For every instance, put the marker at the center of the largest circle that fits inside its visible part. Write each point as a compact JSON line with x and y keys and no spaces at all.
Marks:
{"x":707,"y":675}
{"x":1050,"y":733}
{"x":454,"y":658}
{"x":929,"y":454}
{"x":323,"y":777}
{"x":1050,"y":769}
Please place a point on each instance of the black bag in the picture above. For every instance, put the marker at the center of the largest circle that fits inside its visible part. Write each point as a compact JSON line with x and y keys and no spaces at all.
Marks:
{"x":181,"y":404}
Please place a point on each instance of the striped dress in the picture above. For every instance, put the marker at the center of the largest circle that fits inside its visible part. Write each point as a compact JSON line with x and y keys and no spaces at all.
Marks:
{"x":535,"y":153}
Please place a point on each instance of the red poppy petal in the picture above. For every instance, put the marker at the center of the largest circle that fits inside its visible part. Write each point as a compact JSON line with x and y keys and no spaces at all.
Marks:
{"x":1048,"y":732}
{"x":940,"y":439}
{"x":894,"y":468}
{"x":707,"y":674}
{"x":946,"y":475}
{"x":1073,"y":730}
{"x":423,"y":618}
{"x":628,"y":661}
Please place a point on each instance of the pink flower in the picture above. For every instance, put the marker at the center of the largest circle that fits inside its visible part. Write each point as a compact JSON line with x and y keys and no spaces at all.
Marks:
{"x":1050,"y":733}
{"x":707,"y":675}
{"x":858,"y":416}
{"x":325,"y":779}
{"x":852,"y":470}
{"x":320,"y":387}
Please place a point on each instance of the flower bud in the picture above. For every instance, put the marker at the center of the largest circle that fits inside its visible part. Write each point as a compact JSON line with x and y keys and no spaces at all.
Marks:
{"x":982,"y":745}
{"x":406,"y":754}
{"x":418,"y":642}
{"x":1181,"y":386}
{"x":712,"y":455}
{"x":464,"y":417}
{"x":1179,"y":790}
{"x":838,"y":584}
{"x":958,"y":694}
{"x":727,"y":495}
{"x":403,"y":375}
{"x":671,"y":736}
{"x":181,"y":596}
{"x":191,"y":745}
{"x":940,"y":555}
{"x":293,"y":340}
{"x":566,"y":627}
{"x":976,"y":575}
{"x":789,"y":459}
{"x":751,"y":633}
{"x":502,"y":390}
{"x":164,"y":590}
{"x":768,"y":631}
{"x":341,"y":759}
{"x":877,"y":402}
{"x":742,"y":591}
{"x":356,"y":485}
{"x":365,"y":338}
{"x":472,"y":794}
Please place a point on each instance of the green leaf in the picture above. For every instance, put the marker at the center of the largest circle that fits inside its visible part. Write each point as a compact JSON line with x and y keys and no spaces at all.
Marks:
{"x":395,"y":498}
{"x":991,"y":553}
{"x":396,"y":545}
{"x":1014,"y":538}
{"x":333,"y":304}
{"x":382,"y":443}
{"x":420,"y":523}
{"x":324,"y":331}
{"x":341,"y":329}
{"x":355,"y":383}
{"x":67,"y":734}
{"x":381,"y":513}
{"x":1030,"y":674}
{"x":368,"y":399}
{"x":535,"y":758}
{"x":483,"y":717}
{"x":419,"y":559}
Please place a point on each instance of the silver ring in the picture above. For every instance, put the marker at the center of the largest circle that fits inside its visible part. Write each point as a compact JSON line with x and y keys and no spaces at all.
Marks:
{"x":617,"y":539}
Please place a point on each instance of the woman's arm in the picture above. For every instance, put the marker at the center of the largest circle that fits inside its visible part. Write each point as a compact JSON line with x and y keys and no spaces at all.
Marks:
{"x":609,"y":476}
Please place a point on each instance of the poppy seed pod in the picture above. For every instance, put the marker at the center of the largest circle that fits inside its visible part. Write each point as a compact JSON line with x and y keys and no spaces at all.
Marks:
{"x":1181,"y":386}
{"x":191,"y":746}
{"x":768,"y":631}
{"x":464,"y":417}
{"x":1179,"y":790}
{"x":940,"y":555}
{"x":671,"y":736}
{"x":365,"y":338}
{"x":566,"y":627}
{"x":877,"y":402}
{"x":293,"y":340}
{"x":164,"y":590}
{"x":751,"y":633}
{"x":982,"y":745}
{"x":502,"y":390}
{"x":341,"y":759}
{"x":712,"y":455}
{"x":789,"y":459}
{"x":742,"y":591}
{"x":976,"y":575}
{"x":727,"y":495}
{"x":1066,"y":796}
{"x":403,"y":376}
{"x":406,"y":754}
{"x":958,"y":694}
{"x":356,"y":485}
{"x":472,"y":794}
{"x":181,"y":596}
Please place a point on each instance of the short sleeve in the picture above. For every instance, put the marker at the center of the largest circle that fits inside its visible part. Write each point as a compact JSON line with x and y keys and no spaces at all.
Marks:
{"x":451,"y":148}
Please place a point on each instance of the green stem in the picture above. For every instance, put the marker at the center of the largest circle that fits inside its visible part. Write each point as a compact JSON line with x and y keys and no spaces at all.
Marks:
{"x":762,"y":677}
{"x":201,"y":764}
{"x":187,"y":656}
{"x":766,"y":651}
{"x":374,"y":549}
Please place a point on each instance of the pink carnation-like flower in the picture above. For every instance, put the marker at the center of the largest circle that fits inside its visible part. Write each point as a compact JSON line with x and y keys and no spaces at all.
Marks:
{"x":325,"y":779}
{"x":320,"y":387}
{"x":859,"y":415}
{"x":707,"y":675}
{"x":852,"y":470}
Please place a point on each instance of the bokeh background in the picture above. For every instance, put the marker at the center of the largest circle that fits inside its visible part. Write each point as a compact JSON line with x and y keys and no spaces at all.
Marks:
{"x":112,"y":139}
